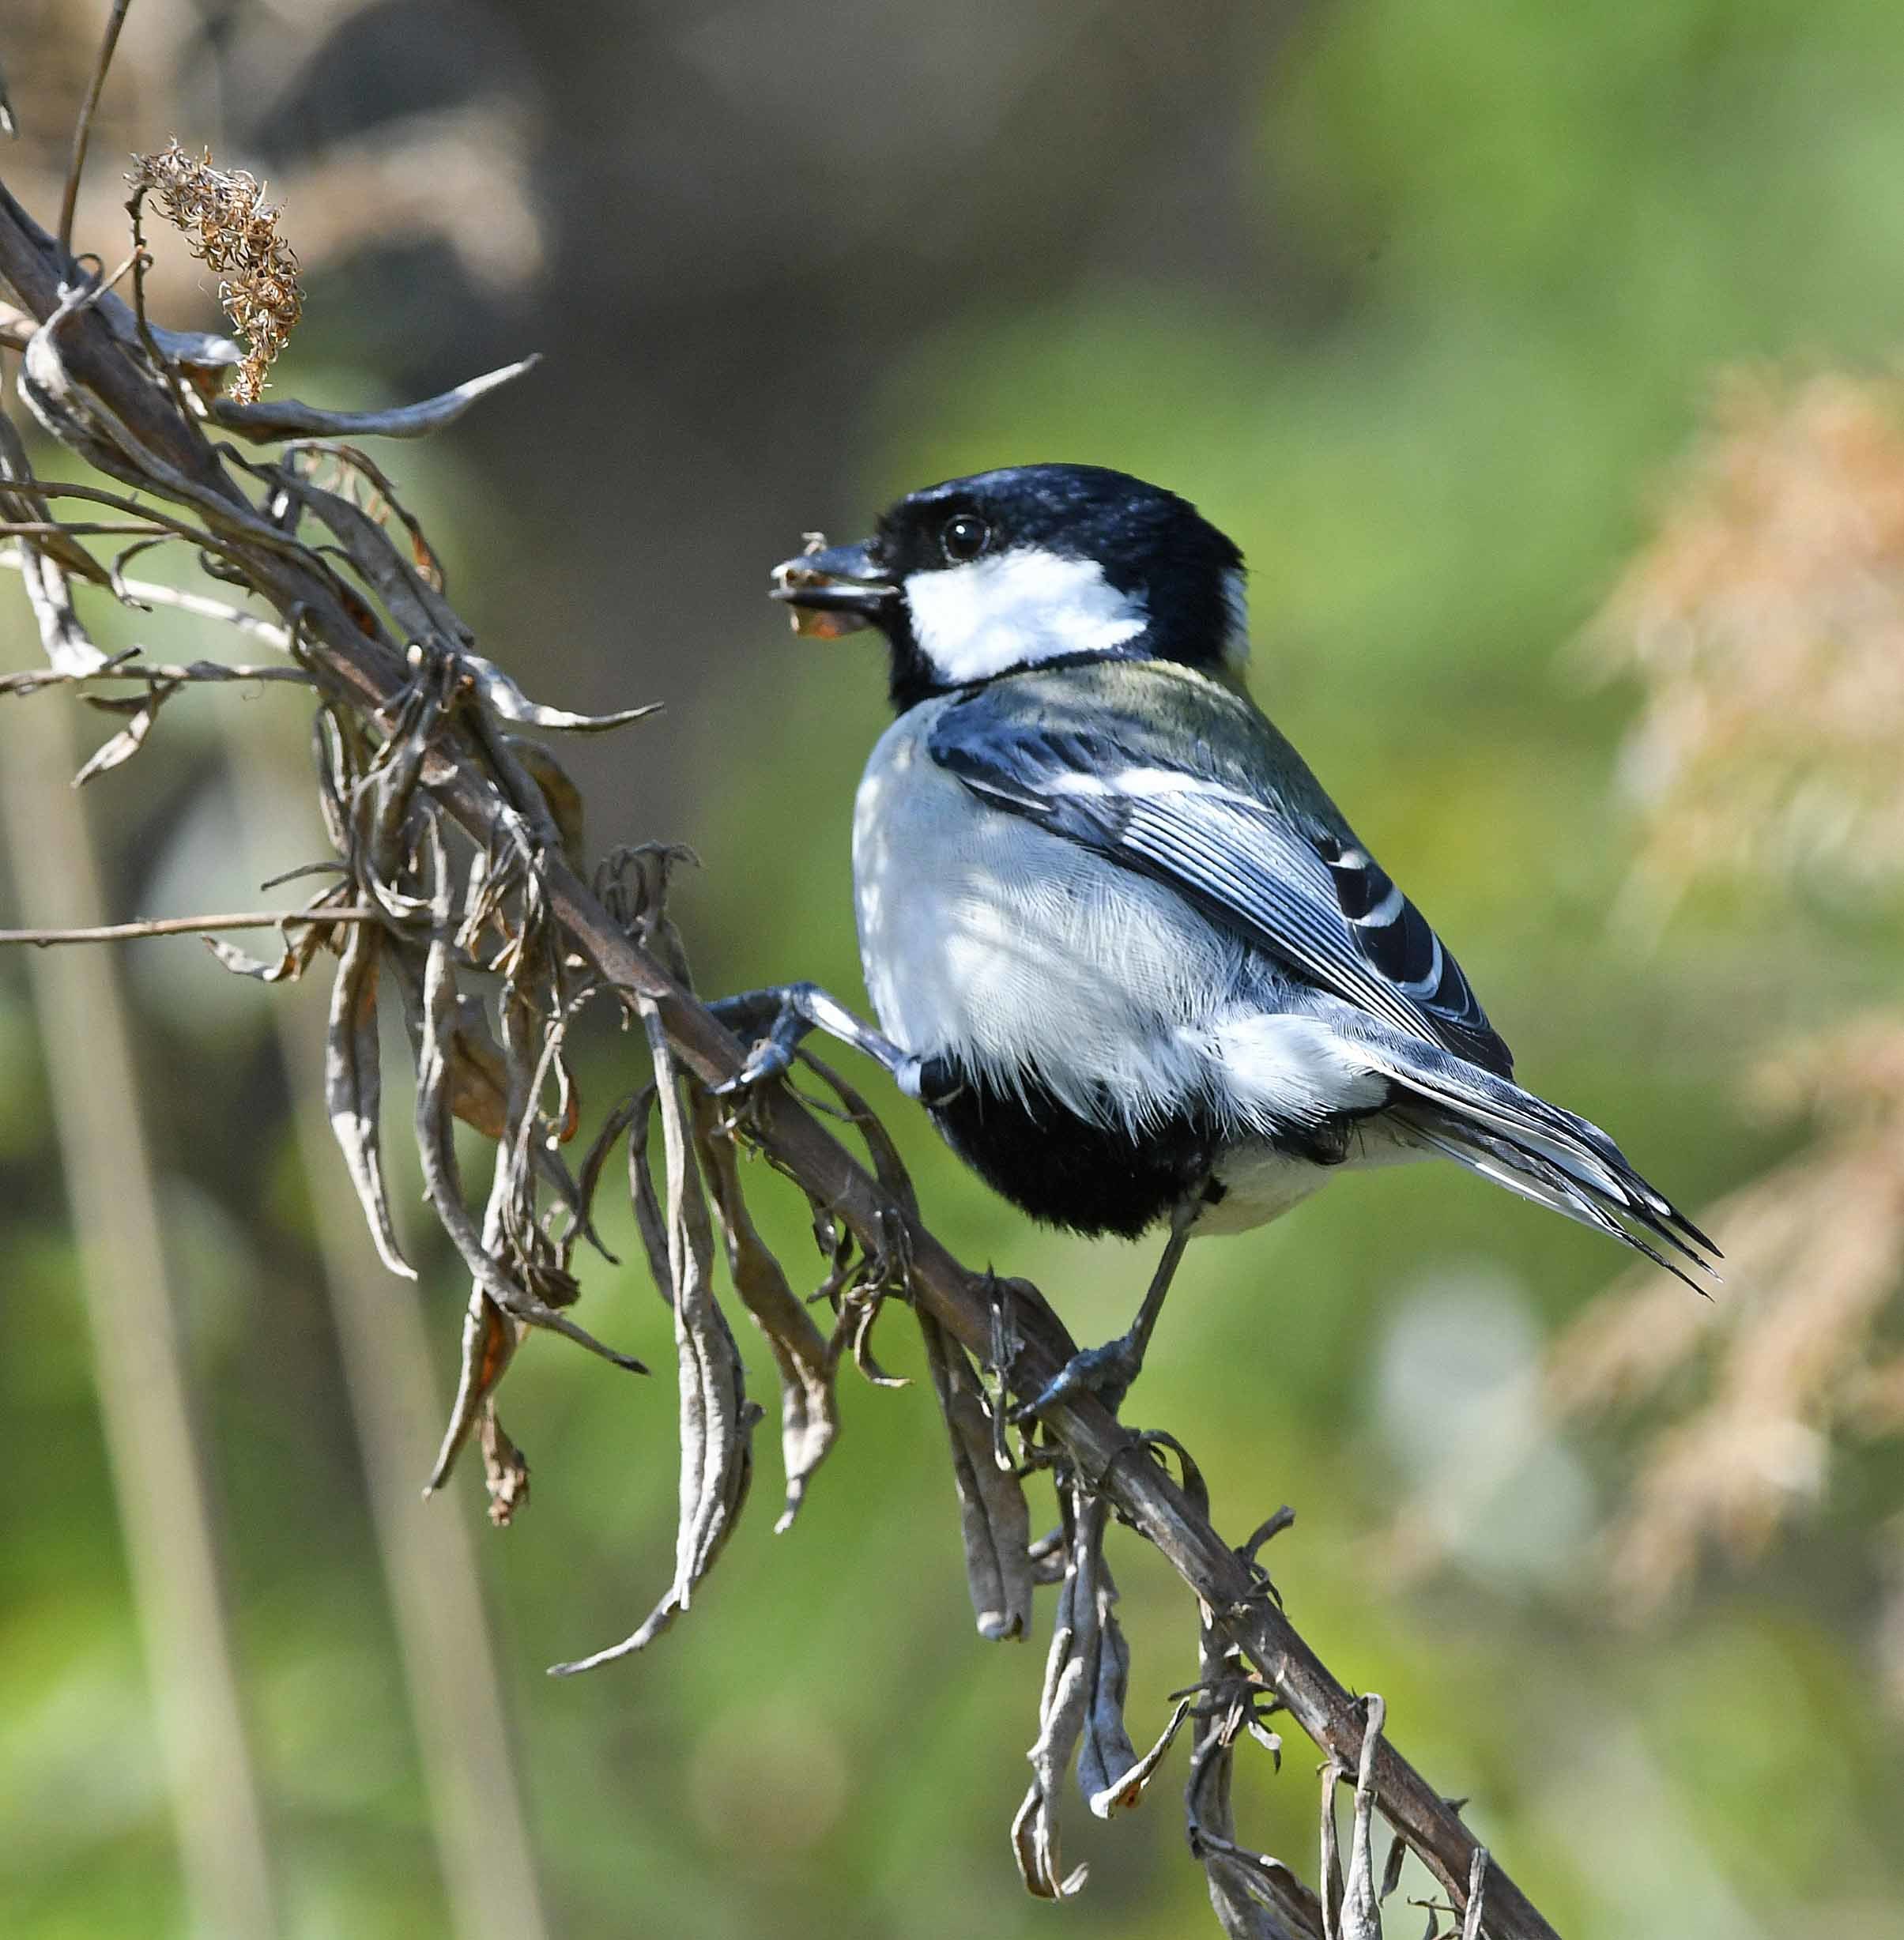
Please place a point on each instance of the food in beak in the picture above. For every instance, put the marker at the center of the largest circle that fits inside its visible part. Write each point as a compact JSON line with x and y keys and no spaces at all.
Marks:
{"x":814,"y":623}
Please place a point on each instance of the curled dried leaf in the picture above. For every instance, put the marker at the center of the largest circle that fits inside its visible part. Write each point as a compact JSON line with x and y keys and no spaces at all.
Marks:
{"x":1106,"y":1757}
{"x":1061,"y":1708}
{"x":888,"y":1168}
{"x":242,"y":963}
{"x":717,"y":1419}
{"x":1082,"y":1708}
{"x":1126,"y":1787}
{"x":122,"y":746}
{"x":442,"y":1176}
{"x":287,"y":417}
{"x":558,"y":792}
{"x":809,"y":1409}
{"x":44,"y":564}
{"x":406,"y":590}
{"x":505,"y":1470}
{"x":479,"y":1074}
{"x":992,"y":1511}
{"x":304,"y":935}
{"x":380,"y":839}
{"x":489,"y":1342}
{"x":860,"y":1304}
{"x":509,"y":700}
{"x":1046,"y":1555}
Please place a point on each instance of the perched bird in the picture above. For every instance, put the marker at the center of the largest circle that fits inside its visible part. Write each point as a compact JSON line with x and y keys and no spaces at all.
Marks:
{"x":1122,"y":946}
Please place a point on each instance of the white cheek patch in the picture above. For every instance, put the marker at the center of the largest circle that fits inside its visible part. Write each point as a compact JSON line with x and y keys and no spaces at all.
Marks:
{"x":1015,"y":609}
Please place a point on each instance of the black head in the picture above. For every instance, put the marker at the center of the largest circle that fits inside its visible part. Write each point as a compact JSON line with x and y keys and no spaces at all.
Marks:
{"x":1029,"y":566}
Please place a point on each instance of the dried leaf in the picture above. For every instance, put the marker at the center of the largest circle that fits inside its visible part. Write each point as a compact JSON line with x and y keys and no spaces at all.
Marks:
{"x":304,"y":937}
{"x":505,"y":1470}
{"x":860,"y":1305}
{"x":357,"y":471}
{"x":332,"y":751}
{"x":286,"y":417}
{"x":354,"y":1086}
{"x":1046,"y":1556}
{"x":380,"y":801}
{"x":479,"y":1077}
{"x":490,"y":1340}
{"x":44,"y":564}
{"x":1127,"y":1787}
{"x":1361,"y":1909}
{"x":996,"y":1519}
{"x":242,"y":963}
{"x":614,"y":1127}
{"x":558,"y":791}
{"x":1391,"y":1873}
{"x":809,"y":1409}
{"x":1106,"y":1757}
{"x":888,"y":1168}
{"x":130,"y":738}
{"x":436,"y":1147}
{"x":717,"y":1419}
{"x":508,"y":700}
{"x":419,"y":610}
{"x":1082,"y":1710}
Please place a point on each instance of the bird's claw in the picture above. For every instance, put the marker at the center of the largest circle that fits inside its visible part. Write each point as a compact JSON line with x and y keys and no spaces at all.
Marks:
{"x":1106,"y":1372}
{"x":766,"y":1060}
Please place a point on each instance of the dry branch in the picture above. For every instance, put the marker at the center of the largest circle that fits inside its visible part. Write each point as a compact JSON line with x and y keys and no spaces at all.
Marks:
{"x":415,"y":749}
{"x":182,"y":926}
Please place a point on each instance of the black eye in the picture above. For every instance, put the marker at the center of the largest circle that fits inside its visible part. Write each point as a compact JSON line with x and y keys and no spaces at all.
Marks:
{"x":963,"y":537}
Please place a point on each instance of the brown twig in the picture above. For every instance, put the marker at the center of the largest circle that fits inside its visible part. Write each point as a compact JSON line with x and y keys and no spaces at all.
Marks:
{"x":186,"y":926}
{"x":82,"y":128}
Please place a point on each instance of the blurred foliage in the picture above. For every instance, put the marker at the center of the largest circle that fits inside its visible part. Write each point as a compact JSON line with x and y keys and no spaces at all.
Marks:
{"x":1418,"y":303}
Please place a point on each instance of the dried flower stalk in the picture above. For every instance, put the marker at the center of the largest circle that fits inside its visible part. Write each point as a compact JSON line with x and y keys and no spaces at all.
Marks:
{"x":233,"y":230}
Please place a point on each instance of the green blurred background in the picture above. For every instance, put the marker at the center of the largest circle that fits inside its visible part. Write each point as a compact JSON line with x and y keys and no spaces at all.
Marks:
{"x":1419,"y":303}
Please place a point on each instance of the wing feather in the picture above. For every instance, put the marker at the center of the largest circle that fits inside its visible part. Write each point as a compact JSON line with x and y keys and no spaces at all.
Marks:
{"x":1295,"y":885}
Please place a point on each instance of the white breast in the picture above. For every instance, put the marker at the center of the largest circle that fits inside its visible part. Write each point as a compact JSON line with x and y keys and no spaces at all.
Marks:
{"x":1024,"y":955}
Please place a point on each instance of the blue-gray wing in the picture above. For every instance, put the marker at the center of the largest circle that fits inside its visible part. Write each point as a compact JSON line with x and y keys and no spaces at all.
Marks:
{"x":1288,"y":880}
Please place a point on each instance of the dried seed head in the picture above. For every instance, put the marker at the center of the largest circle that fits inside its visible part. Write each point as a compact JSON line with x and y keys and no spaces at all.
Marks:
{"x":223,"y":215}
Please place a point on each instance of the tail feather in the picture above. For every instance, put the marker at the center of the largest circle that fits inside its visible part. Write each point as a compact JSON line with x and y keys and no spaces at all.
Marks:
{"x":1535,"y":1149}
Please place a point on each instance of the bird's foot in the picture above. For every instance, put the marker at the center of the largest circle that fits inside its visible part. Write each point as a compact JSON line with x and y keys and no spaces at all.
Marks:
{"x":1106,"y":1371}
{"x":776,"y":1021}
{"x":769,"y":1059}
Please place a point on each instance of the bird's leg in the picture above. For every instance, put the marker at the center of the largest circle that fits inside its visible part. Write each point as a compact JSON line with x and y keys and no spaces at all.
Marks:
{"x":774,"y":1021}
{"x":1109,"y":1370}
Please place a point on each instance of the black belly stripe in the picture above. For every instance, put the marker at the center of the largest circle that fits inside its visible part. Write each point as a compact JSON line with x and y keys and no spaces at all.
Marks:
{"x":1070,"y":1172}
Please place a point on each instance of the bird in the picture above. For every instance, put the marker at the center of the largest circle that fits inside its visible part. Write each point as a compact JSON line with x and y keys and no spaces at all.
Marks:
{"x":1120,"y":943}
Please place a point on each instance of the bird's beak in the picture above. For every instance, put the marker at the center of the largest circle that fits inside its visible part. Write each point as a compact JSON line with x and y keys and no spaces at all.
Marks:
{"x":834,"y":589}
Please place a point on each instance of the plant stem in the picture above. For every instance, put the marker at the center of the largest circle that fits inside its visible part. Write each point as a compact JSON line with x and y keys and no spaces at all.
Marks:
{"x":165,"y":1514}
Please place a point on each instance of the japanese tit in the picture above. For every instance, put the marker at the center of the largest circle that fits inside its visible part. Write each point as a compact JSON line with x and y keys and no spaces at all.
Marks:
{"x":1121,"y":943}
